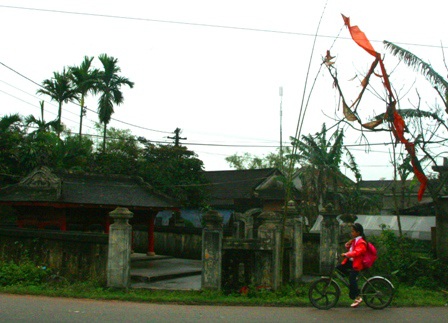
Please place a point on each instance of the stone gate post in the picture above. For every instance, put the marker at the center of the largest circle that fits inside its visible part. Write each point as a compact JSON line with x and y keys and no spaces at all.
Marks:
{"x":329,"y":239}
{"x":271,"y":229}
{"x":297,"y":243}
{"x":119,"y":255}
{"x":212,"y":251}
{"x":346,"y":226}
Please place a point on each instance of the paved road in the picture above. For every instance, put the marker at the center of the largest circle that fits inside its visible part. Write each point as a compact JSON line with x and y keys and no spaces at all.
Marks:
{"x":15,"y":308}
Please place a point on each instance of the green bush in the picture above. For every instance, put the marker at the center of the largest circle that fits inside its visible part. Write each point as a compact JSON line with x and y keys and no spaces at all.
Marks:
{"x":408,"y":261}
{"x":25,"y":273}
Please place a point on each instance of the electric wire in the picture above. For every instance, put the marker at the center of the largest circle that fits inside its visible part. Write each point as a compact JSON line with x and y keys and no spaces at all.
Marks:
{"x":194,"y":24}
{"x":184,"y":23}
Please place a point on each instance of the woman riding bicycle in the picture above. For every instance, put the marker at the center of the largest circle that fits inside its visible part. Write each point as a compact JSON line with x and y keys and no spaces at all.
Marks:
{"x":352,"y":263}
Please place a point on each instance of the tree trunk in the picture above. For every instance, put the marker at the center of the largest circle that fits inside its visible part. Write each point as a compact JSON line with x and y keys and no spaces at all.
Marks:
{"x":441,"y":206}
{"x":104,"y":137}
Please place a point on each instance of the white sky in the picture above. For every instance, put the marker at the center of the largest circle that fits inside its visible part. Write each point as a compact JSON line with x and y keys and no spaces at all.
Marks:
{"x":219,"y":85}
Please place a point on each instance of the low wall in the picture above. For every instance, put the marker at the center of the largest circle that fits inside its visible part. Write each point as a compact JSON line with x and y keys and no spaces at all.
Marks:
{"x":183,"y":242}
{"x":74,"y":255}
{"x":179,"y":242}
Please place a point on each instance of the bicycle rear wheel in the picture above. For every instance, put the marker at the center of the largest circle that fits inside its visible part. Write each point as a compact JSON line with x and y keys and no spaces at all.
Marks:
{"x":377,"y":292}
{"x":324,"y":293}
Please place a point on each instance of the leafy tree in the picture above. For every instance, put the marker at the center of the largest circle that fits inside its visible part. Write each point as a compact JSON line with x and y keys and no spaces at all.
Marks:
{"x":271,"y":160}
{"x":109,"y":85}
{"x":11,"y":136}
{"x":77,"y":153}
{"x":60,"y":89}
{"x":247,"y":161}
{"x":122,"y":156}
{"x":84,"y":79}
{"x":40,"y":149}
{"x":174,"y":170}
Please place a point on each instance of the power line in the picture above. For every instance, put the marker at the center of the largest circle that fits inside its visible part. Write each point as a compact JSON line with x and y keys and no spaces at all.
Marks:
{"x":46,"y":110}
{"x":200,"y":24}
{"x":96,"y":112}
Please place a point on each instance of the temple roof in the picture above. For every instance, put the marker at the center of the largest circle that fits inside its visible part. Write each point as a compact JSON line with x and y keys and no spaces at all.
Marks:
{"x":230,"y":185}
{"x":44,"y":186}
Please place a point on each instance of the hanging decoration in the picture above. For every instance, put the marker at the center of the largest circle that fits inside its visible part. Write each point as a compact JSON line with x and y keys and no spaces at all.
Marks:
{"x":392,"y":116}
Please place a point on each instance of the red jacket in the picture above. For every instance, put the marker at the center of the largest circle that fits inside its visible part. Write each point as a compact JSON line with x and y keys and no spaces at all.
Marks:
{"x":359,"y":249}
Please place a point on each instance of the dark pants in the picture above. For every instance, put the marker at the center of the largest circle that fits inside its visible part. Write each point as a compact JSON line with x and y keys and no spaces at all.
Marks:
{"x":347,"y":270}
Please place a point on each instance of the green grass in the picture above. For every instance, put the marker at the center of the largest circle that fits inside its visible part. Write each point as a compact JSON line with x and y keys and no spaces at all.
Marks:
{"x":405,"y":296}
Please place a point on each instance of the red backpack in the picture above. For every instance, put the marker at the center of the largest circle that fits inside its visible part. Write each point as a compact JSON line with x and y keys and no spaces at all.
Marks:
{"x":370,"y":256}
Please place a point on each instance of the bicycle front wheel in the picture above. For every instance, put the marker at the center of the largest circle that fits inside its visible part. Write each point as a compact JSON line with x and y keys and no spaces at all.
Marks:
{"x":324,"y":293}
{"x":377,"y":292}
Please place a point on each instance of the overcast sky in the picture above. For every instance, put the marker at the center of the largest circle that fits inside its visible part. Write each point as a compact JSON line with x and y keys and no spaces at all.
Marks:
{"x":214,"y":68}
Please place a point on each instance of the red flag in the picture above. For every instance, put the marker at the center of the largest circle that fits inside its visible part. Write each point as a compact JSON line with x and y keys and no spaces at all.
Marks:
{"x":398,"y":123}
{"x":359,"y":37}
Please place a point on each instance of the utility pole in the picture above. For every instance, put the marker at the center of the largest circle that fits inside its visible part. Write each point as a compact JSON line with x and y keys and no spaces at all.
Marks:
{"x":177,"y":137}
{"x":281,"y":132}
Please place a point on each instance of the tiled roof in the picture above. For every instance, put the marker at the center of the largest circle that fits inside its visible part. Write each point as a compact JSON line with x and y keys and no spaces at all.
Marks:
{"x":237,"y":184}
{"x":111,"y":190}
{"x":386,"y":186}
{"x":87,"y":189}
{"x":377,"y":185}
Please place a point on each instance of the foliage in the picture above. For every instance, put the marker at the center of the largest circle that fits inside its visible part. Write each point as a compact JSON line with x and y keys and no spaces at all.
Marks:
{"x":272,"y":160}
{"x":436,"y":80}
{"x":60,"y":89}
{"x":320,"y":159}
{"x":41,"y":149}
{"x":288,"y":296}
{"x":11,"y":134}
{"x":174,"y":170}
{"x":409,"y":261}
{"x":351,"y":200}
{"x":78,"y":152}
{"x":123,"y":155}
{"x":108,"y":86}
{"x":84,"y":78}
{"x":25,"y":273}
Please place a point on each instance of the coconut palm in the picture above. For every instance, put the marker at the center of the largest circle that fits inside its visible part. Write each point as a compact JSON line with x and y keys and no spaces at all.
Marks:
{"x":108,"y":86}
{"x":84,"y":78}
{"x":60,"y":89}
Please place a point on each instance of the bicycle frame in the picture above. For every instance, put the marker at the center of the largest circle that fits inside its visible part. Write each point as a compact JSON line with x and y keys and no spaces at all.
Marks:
{"x":376,"y":291}
{"x":344,"y":280}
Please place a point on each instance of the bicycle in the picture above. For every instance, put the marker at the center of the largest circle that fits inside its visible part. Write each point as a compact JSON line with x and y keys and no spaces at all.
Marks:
{"x":377,"y":292}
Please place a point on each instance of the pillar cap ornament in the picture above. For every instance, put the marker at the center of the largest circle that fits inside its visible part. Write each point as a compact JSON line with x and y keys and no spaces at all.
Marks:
{"x":291,"y":206}
{"x":328,"y":211}
{"x":121,"y":213}
{"x":348,"y":218}
{"x":212,"y":219}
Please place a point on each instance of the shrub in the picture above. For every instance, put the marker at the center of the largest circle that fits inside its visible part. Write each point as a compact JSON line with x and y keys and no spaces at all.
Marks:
{"x":408,"y":261}
{"x":26,"y":273}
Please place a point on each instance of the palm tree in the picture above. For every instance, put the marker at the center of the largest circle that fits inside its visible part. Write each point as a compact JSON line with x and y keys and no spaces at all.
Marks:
{"x":8,"y":122}
{"x":84,"y":79}
{"x":42,"y":126}
{"x":60,"y":89}
{"x":109,"y":85}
